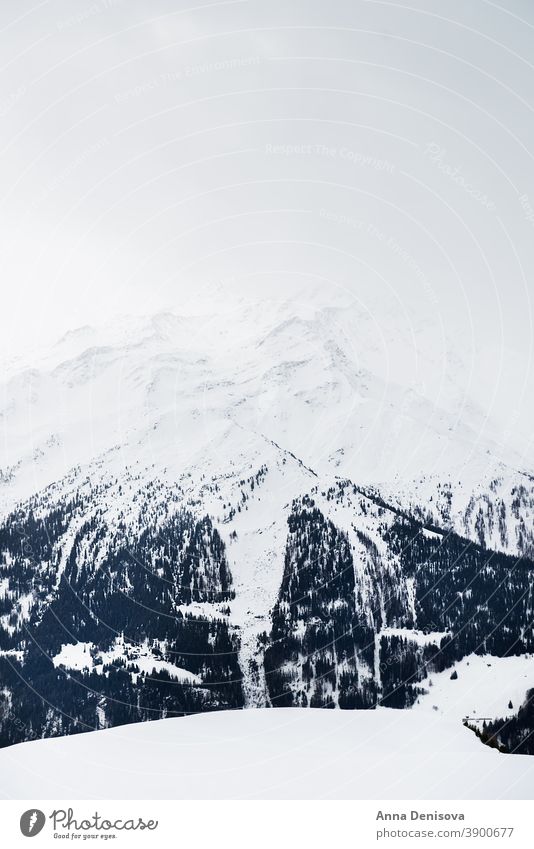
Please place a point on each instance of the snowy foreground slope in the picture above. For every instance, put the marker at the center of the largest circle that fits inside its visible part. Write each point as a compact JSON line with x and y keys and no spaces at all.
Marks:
{"x":255,"y":505}
{"x":422,"y":753}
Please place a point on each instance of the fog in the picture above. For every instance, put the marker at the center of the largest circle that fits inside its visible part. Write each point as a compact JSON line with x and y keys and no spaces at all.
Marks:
{"x":150,"y":151}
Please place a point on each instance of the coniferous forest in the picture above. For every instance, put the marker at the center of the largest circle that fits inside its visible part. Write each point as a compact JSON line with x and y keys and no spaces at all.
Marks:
{"x":105,"y":620}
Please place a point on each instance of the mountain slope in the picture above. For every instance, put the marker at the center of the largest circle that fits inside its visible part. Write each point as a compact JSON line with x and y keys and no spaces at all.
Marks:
{"x":425,"y":753}
{"x":244,"y":509}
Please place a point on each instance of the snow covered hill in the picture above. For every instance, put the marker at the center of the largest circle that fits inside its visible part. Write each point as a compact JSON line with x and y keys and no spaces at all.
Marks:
{"x":425,"y":753}
{"x":257,"y":503}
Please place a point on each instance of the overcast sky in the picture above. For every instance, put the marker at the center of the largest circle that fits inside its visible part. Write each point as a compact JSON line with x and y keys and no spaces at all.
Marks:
{"x":148,"y":149}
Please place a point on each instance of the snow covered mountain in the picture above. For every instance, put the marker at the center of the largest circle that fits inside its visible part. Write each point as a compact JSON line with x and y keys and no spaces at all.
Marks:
{"x":275,"y":502}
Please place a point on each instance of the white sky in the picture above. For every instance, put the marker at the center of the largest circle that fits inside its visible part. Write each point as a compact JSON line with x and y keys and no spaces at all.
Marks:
{"x":138,"y":162}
